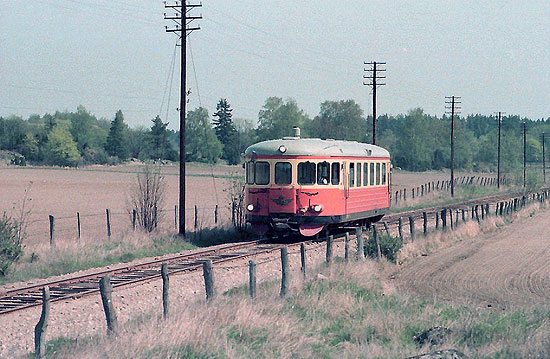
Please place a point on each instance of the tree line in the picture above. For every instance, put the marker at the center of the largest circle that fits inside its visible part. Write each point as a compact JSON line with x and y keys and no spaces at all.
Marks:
{"x":417,"y":141}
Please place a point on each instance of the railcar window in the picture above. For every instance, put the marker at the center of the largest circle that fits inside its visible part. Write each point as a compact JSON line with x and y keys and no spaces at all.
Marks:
{"x":306,"y":173}
{"x":323,"y":173}
{"x":384,"y":173}
{"x":365,"y":174}
{"x":358,"y":175}
{"x":283,"y":173}
{"x":261,"y":173}
{"x":378,"y":174}
{"x":371,"y":181}
{"x":352,"y":174}
{"x":335,"y":175}
{"x":250,"y":172}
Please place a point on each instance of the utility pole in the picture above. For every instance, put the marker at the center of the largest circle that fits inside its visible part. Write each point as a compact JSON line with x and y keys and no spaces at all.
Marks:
{"x":498,"y":148}
{"x":543,"y":160}
{"x":452,"y":107}
{"x":524,"y":151}
{"x":372,"y":76}
{"x":182,"y":28}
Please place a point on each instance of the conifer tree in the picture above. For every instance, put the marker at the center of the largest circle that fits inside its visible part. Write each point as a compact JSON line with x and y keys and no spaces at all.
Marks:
{"x":117,"y":139}
{"x":226,"y":132}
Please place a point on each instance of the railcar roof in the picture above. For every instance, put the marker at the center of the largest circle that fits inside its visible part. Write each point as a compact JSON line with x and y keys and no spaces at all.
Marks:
{"x":316,"y":147}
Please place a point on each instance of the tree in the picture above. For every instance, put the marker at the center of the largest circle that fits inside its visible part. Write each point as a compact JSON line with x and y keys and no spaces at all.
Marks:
{"x":61,"y":149}
{"x":276,"y":118}
{"x":159,"y":140}
{"x":341,"y":120}
{"x":117,"y":140}
{"x":226,"y":132}
{"x":202,"y":145}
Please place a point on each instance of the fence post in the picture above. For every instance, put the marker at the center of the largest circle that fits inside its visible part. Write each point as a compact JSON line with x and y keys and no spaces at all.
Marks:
{"x":376,"y":242}
{"x":404,"y":194}
{"x":386,"y":228}
{"x":303,"y":259}
{"x":346,"y":247}
{"x":216,"y":215}
{"x":436,"y":220}
{"x":108,"y":213}
{"x":476,"y":213}
{"x":411,"y":228}
{"x":134,"y":217}
{"x":176,"y":216}
{"x":451,"y":218}
{"x":328,"y":256}
{"x":165,"y":288}
{"x":208,"y":274}
{"x":412,"y":190}
{"x":400,"y":228}
{"x":422,"y":190}
{"x":52,"y":231}
{"x":360,"y":244}
{"x":284,"y":272}
{"x":463,"y":215}
{"x":106,"y":289}
{"x":78,"y":223}
{"x":156,"y":217}
{"x":425,"y":223}
{"x":196,"y":219}
{"x":42,"y":326}
{"x":252,"y":278}
{"x":444,"y":218}
{"x":487,"y":214}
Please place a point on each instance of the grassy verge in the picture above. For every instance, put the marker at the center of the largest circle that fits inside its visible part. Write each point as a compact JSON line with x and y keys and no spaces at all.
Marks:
{"x":348,"y":312}
{"x":462,"y":193}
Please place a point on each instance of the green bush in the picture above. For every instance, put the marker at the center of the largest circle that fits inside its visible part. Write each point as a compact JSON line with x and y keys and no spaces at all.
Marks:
{"x":389,"y":247}
{"x":10,"y":244}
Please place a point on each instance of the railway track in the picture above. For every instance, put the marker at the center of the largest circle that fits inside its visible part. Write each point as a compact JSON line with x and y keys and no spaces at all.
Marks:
{"x":82,"y":285}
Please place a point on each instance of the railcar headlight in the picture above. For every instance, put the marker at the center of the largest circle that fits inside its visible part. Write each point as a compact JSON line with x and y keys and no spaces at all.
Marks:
{"x":250,"y":207}
{"x":282,"y":148}
{"x":317,"y":208}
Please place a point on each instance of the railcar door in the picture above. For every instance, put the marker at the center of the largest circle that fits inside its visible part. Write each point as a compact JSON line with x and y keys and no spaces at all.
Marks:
{"x":346,"y":185}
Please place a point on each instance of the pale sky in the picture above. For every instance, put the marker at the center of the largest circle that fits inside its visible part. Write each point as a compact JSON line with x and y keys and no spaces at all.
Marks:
{"x":110,"y":54}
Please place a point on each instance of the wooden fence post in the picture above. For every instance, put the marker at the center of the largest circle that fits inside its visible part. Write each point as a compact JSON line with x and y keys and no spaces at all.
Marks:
{"x":404,"y":194}
{"x":412,"y":191}
{"x":451,"y":218}
{"x":108,"y":213}
{"x":476,"y":213}
{"x":436,"y":220}
{"x":208,"y":274}
{"x":134,"y":217}
{"x":463,"y":215}
{"x":303,"y":259}
{"x":176,"y":216}
{"x":252,"y":278}
{"x":284,"y":272}
{"x":411,"y":228}
{"x":487,"y":214}
{"x":42,"y":326}
{"x":328,"y":256}
{"x":165,"y":289}
{"x":444,"y":218}
{"x":106,"y":289}
{"x":52,"y":231}
{"x":78,"y":224}
{"x":376,"y":242}
{"x":196,"y":218}
{"x":216,"y":215}
{"x":422,"y":190}
{"x":425,"y":223}
{"x":386,"y":228}
{"x":360,"y":244}
{"x":346,"y":247}
{"x":400,"y":229}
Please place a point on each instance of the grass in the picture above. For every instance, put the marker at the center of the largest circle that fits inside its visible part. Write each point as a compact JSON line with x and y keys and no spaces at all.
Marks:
{"x":346,"y":314}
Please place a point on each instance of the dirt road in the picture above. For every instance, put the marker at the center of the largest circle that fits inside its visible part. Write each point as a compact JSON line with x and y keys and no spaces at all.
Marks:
{"x":506,"y":269}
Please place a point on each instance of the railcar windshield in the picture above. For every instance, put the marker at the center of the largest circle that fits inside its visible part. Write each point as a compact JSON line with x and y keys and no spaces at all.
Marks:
{"x":306,"y":173}
{"x":323,"y":173}
{"x":261,"y":173}
{"x":283,"y":173}
{"x":250,"y":172}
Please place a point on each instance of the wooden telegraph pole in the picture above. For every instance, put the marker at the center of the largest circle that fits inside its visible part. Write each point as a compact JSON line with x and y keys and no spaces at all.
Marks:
{"x":373,"y":76}
{"x":452,"y":107}
{"x":182,"y":28}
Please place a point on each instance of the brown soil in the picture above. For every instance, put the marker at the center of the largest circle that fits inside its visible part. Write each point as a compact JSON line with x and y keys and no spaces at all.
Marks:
{"x":502,"y":270}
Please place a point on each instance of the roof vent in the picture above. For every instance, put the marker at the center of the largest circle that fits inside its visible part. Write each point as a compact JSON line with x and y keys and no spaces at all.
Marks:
{"x":296,"y":131}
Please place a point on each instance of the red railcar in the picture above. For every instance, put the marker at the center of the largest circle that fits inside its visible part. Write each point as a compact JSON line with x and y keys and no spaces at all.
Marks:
{"x":308,"y":184}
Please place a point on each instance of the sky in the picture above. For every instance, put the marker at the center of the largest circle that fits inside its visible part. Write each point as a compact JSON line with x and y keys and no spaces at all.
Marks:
{"x":115,"y":54}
